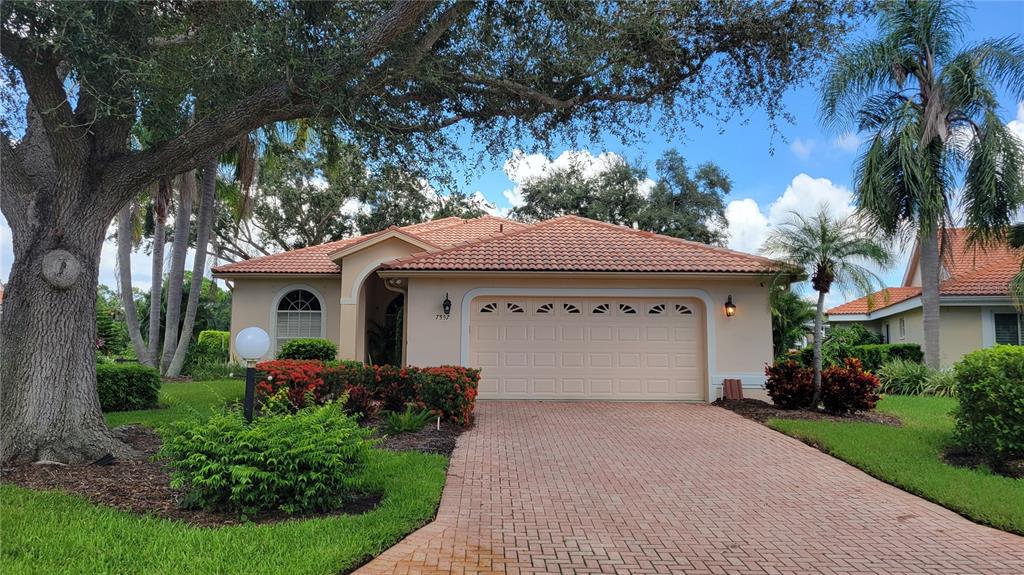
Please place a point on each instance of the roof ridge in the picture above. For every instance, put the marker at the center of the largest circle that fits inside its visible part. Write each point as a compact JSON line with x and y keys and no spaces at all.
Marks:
{"x":266,"y":257}
{"x":474,"y":242}
{"x":663,"y":237}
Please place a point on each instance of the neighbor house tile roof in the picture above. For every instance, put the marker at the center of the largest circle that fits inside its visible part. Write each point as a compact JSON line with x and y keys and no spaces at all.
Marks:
{"x":443,"y":233}
{"x":876,"y":301}
{"x":572,"y":243}
{"x":970,"y":271}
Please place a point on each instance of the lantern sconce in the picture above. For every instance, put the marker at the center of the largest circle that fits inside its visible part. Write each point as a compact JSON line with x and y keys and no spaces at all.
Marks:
{"x":446,"y":305}
{"x":730,"y":308}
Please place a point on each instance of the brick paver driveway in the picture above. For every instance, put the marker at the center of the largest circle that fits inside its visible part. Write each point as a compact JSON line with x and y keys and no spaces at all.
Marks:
{"x":544,"y":487}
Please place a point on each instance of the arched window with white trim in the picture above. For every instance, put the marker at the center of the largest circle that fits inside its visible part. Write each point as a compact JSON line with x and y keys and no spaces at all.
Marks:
{"x":299,"y":314}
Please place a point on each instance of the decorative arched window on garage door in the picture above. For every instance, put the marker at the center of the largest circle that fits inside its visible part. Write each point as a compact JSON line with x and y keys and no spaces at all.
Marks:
{"x":299,"y":314}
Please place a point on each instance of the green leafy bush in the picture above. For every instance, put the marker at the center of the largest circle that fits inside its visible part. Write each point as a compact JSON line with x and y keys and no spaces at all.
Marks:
{"x":790,"y":384}
{"x":309,"y":348}
{"x":849,"y":388}
{"x":212,"y":371}
{"x":407,"y":421}
{"x":308,"y":461}
{"x":127,"y":386}
{"x":905,"y":377}
{"x":874,"y":356}
{"x":212,"y":346}
{"x":990,"y":419}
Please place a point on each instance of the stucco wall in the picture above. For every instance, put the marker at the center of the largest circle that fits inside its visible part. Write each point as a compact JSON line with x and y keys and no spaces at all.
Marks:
{"x":961,"y":330}
{"x":742,"y":344}
{"x":252,"y":303}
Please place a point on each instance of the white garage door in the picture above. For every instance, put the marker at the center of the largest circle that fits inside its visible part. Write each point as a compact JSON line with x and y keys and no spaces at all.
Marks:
{"x":588,"y":348}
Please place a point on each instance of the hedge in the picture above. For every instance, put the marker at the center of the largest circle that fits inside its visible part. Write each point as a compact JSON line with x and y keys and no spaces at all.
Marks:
{"x":309,"y":348}
{"x":211,"y":346}
{"x":127,"y":386}
{"x":449,"y":391}
{"x":872,"y":356}
{"x":990,"y":417}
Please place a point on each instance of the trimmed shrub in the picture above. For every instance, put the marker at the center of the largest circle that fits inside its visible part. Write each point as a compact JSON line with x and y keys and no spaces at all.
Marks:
{"x":874,"y":356}
{"x":212,"y":346}
{"x":849,"y":388}
{"x":127,"y":386}
{"x":309,"y":348}
{"x":990,"y":419}
{"x":308,"y":461}
{"x":789,"y":384}
{"x":450,"y":391}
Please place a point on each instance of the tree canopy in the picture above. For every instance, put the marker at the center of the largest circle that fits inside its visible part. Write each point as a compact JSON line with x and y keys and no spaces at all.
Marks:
{"x":682,"y":203}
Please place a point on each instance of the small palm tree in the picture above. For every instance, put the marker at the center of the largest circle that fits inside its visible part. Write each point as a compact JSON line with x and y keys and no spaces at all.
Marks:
{"x":931,"y":113}
{"x":790,"y":315}
{"x":833,"y":252}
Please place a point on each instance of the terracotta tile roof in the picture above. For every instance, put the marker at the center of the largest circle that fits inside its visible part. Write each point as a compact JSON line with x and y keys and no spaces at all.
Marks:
{"x":572,"y":243}
{"x":876,"y":301}
{"x":973,"y":271}
{"x":443,"y":233}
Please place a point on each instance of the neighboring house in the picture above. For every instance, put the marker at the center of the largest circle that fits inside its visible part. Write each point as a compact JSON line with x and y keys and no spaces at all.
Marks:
{"x":975,"y":308}
{"x":567,"y":308}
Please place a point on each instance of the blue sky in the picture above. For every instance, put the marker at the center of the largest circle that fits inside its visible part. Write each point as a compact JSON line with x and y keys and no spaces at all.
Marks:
{"x":804,"y":152}
{"x":808,"y":165}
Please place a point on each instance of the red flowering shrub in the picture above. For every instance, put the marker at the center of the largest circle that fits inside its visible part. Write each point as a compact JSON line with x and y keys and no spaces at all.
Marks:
{"x":395,"y":386}
{"x":450,"y":390}
{"x":359,"y":401}
{"x":789,"y":384}
{"x":299,"y":377}
{"x":848,"y":388}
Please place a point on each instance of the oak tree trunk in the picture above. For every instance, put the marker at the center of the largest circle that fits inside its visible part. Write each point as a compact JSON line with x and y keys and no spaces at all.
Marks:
{"x":930,"y":278}
{"x":204,"y":226}
{"x":124,"y":276}
{"x":48,"y":406}
{"x":176,"y":273}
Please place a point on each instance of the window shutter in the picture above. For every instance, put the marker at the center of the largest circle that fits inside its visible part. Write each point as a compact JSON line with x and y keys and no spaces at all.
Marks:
{"x":1007,"y":328}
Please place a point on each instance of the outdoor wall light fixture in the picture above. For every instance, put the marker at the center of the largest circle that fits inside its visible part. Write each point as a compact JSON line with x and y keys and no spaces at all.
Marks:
{"x":730,"y":308}
{"x":446,"y":305}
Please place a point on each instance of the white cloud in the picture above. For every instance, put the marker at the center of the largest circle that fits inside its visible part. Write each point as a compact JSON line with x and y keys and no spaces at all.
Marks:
{"x":749,"y":224}
{"x":848,"y":142}
{"x":802,"y":148}
{"x":1017,"y":125}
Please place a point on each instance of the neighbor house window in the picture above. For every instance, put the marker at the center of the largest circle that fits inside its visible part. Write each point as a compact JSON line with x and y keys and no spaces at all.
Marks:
{"x":1008,"y":328}
{"x":903,"y":328}
{"x":299,"y":314}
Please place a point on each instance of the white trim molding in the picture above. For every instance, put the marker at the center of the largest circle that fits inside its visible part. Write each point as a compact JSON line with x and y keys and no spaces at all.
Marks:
{"x":357,"y":284}
{"x":709,"y":307}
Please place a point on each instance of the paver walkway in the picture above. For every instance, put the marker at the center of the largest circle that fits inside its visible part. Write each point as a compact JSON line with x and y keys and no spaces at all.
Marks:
{"x":546,"y":487}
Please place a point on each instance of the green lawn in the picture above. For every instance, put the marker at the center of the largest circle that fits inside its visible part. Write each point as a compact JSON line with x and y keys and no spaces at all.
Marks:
{"x":52,"y":532}
{"x":910,"y":458}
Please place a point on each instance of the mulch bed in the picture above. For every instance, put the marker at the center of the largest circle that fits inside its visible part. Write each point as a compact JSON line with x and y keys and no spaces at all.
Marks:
{"x":141,"y":485}
{"x":959,"y":457}
{"x":761,"y":412}
{"x":428,"y":440}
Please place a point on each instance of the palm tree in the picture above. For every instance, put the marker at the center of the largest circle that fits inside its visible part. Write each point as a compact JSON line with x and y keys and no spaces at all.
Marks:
{"x":833,"y":252}
{"x":1015,"y":238}
{"x":930,"y":112}
{"x":790,"y":316}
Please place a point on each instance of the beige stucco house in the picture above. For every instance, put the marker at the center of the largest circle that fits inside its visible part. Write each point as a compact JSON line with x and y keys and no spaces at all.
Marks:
{"x":568,"y":308}
{"x":975,"y":308}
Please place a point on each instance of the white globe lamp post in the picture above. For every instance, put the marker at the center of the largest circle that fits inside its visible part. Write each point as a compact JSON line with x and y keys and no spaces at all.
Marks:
{"x":251,"y":344}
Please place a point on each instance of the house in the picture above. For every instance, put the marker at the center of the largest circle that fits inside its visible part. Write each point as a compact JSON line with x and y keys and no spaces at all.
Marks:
{"x":568,"y":308}
{"x":975,"y":308}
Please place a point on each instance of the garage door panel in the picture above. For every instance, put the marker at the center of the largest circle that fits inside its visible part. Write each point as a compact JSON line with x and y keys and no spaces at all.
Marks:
{"x":602,"y":348}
